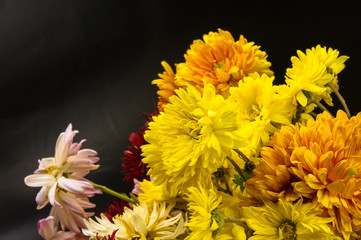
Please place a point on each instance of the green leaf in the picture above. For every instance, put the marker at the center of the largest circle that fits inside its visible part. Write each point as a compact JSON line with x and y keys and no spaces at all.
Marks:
{"x":238,"y":181}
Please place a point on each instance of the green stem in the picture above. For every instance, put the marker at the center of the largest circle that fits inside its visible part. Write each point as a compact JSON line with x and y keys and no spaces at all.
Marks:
{"x":219,"y":188}
{"x":322,"y":107}
{"x":340,"y":98}
{"x":122,"y":196}
{"x":245,"y":158}
{"x":238,"y":169}
{"x":313,"y":114}
{"x":231,"y":220}
{"x":249,"y":165}
{"x":225,"y":179}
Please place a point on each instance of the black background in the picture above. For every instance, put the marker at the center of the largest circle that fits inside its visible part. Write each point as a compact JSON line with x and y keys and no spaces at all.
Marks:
{"x":90,"y":63}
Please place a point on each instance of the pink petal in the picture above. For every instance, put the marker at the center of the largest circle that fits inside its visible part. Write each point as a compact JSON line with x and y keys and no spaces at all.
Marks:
{"x":76,"y":203}
{"x":51,"y":196}
{"x":39,"y":180}
{"x":73,"y":205}
{"x":59,"y":148}
{"x":85,"y":154}
{"x":73,"y":186}
{"x":46,"y":227}
{"x":68,"y":141}
{"x":79,"y":165}
{"x":136,"y":190}
{"x":75,"y":147}
{"x":41,"y":197}
{"x":71,"y":219}
{"x":69,"y":128}
{"x":80,"y":174}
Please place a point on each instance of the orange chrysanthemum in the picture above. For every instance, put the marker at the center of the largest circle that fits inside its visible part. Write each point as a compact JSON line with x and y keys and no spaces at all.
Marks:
{"x":221,"y":61}
{"x":319,"y":161}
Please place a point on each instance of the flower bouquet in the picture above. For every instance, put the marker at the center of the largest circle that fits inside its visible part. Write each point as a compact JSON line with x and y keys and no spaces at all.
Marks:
{"x":228,"y":154}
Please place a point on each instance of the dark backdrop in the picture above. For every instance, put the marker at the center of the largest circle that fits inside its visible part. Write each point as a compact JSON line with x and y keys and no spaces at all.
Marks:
{"x":91,"y":63}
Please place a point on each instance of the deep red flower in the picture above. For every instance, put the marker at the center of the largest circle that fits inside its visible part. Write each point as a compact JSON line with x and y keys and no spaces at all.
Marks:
{"x":115,"y":208}
{"x":133,"y":167}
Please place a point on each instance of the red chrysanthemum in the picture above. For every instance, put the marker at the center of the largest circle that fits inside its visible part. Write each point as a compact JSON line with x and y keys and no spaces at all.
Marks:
{"x":133,"y":167}
{"x":115,"y":208}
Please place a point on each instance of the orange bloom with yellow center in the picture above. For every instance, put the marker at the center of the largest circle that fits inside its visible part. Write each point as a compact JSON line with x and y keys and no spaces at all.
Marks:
{"x":221,"y":61}
{"x":319,"y":161}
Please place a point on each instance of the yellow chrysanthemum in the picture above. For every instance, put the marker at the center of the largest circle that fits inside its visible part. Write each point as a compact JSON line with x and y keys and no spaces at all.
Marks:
{"x":221,"y":61}
{"x":284,"y":220}
{"x":167,"y":85}
{"x":311,"y":72}
{"x":319,"y":161}
{"x":204,"y":220}
{"x":190,"y":139}
{"x":288,"y":94}
{"x":152,"y":193}
{"x":262,"y":111}
{"x":138,"y":223}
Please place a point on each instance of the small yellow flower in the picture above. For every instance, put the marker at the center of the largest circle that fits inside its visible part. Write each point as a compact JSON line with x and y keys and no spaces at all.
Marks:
{"x":138,"y":223}
{"x":204,"y":218}
{"x":190,"y":139}
{"x":262,"y":111}
{"x":220,"y":60}
{"x":311,"y":72}
{"x":284,"y":220}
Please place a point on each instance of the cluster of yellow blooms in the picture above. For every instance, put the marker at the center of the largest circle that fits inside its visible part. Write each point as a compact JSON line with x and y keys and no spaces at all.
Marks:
{"x":234,"y":156}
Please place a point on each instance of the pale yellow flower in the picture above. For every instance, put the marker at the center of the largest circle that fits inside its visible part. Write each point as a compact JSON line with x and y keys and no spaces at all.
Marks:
{"x":138,"y":223}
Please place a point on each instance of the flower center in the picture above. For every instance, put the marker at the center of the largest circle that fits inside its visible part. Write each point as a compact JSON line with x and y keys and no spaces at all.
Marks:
{"x":193,"y":129}
{"x":287,"y":231}
{"x":50,"y":169}
{"x":254,"y":112}
{"x":219,"y":65}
